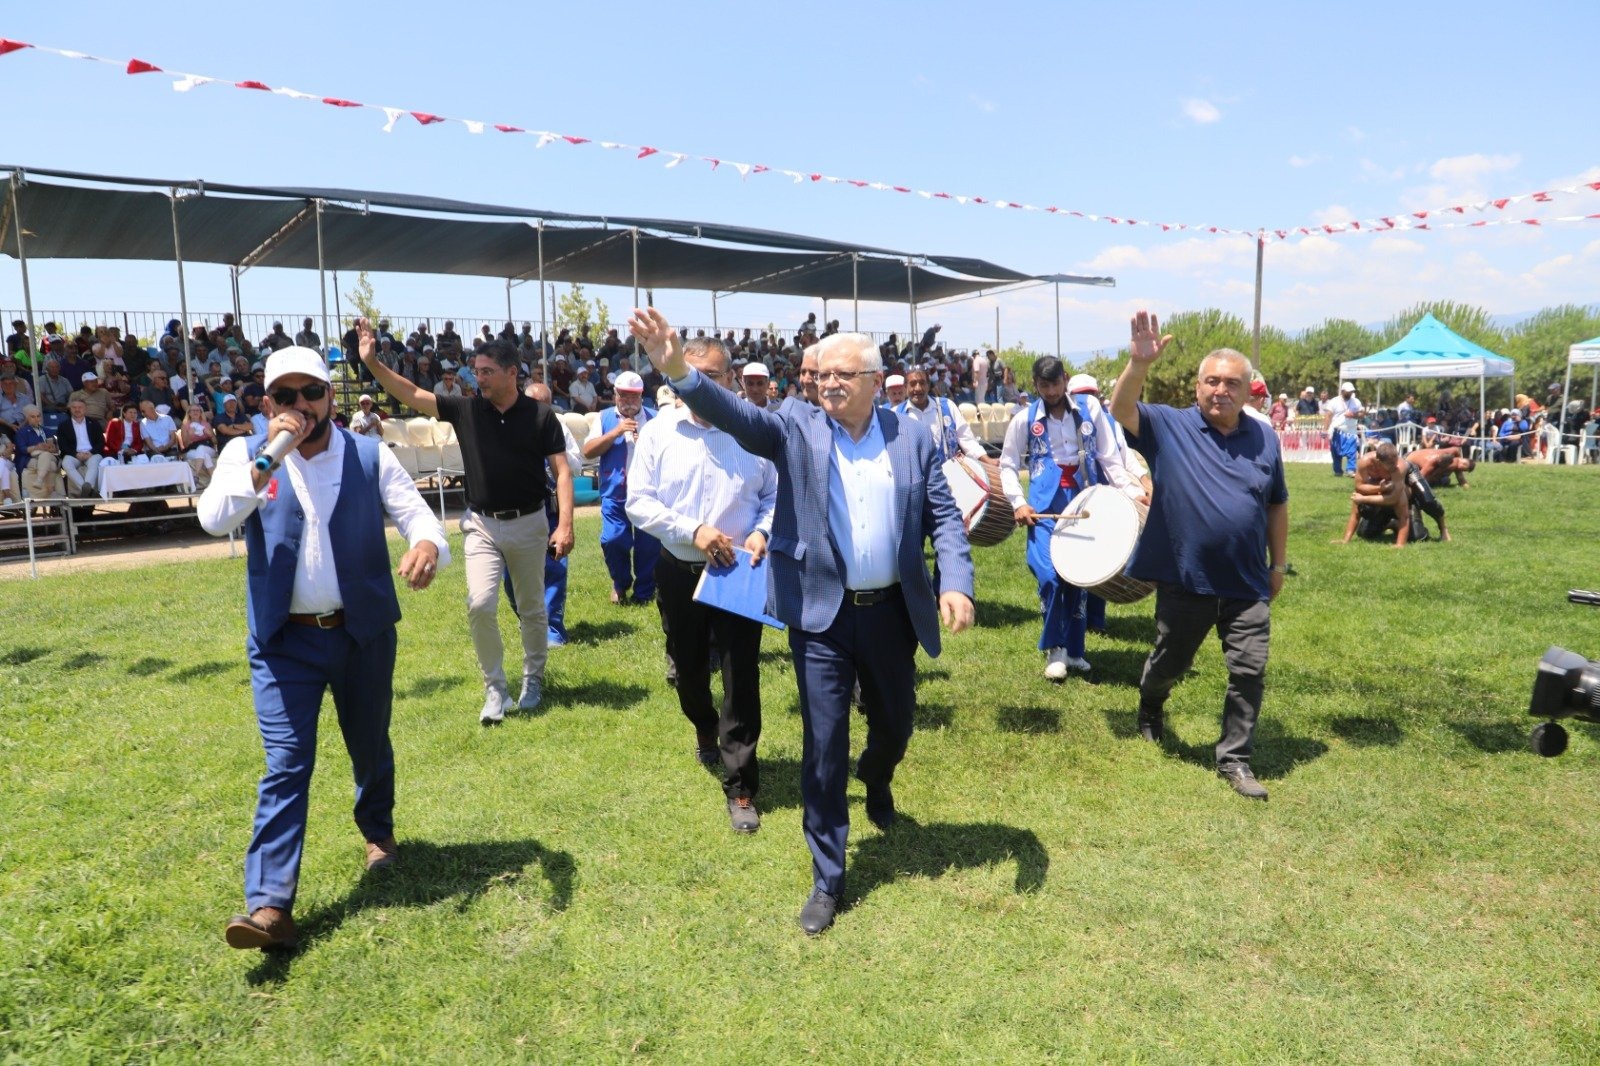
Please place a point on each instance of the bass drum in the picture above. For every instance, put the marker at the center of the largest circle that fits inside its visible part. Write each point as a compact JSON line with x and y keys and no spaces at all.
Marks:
{"x":985,"y":511}
{"x":1092,"y":552}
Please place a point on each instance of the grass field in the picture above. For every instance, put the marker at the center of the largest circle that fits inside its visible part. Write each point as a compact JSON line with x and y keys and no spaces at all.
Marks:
{"x":1420,"y":887}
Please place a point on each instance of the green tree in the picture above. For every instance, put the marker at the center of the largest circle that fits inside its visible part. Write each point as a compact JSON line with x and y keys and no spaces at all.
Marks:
{"x":364,"y":300}
{"x":1320,"y":350}
{"x":574,"y":311}
{"x":1468,"y":320}
{"x":1539,"y":345}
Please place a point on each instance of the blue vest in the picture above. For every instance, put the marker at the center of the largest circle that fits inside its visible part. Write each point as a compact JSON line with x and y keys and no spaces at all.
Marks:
{"x":614,"y":463}
{"x":359,"y":545}
{"x":1044,"y":477}
{"x":950,"y":444}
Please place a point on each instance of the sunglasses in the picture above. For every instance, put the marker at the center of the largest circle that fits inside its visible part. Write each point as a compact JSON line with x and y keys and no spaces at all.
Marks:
{"x":286,"y":397}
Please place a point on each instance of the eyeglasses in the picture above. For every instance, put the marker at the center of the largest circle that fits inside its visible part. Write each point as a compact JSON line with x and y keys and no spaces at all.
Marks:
{"x":286,"y":397}
{"x":843,"y":376}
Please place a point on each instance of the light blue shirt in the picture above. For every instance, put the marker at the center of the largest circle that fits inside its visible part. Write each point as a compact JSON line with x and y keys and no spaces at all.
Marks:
{"x":861,"y":508}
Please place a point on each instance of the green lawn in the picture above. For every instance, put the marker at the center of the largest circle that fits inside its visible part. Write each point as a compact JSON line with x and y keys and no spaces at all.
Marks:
{"x":1420,"y":887}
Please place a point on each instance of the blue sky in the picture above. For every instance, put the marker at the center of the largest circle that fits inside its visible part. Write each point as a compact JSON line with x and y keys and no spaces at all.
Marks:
{"x":1237,"y":115}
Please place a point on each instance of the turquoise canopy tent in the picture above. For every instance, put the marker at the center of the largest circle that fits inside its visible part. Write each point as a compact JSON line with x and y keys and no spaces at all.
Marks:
{"x":1585,"y":353}
{"x":1433,"y":350}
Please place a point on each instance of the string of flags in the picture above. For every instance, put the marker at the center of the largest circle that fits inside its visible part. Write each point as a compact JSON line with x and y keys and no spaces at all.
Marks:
{"x":1484,"y":213}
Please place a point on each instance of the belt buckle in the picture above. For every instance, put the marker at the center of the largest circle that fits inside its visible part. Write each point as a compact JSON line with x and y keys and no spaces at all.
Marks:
{"x":505,"y":516}
{"x":864,"y":597}
{"x":325,"y":619}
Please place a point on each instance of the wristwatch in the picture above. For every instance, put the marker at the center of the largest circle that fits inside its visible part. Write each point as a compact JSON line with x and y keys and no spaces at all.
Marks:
{"x":1283,"y":569}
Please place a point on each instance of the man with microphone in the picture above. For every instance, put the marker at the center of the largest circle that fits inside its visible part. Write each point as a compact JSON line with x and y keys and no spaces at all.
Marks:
{"x":321,"y":612}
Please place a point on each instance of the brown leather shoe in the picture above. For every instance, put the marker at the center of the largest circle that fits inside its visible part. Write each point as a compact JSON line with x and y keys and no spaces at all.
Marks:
{"x":265,"y":928}
{"x":381,"y":853}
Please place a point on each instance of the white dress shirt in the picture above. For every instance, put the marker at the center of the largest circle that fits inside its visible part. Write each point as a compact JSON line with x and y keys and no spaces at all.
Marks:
{"x":933,"y":418}
{"x":81,"y":428}
{"x":158,"y":431}
{"x":1063,"y":436}
{"x":231,"y":498}
{"x":684,"y":474}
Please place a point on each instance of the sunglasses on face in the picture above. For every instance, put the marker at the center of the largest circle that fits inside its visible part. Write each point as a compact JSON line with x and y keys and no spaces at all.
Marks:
{"x":286,"y":397}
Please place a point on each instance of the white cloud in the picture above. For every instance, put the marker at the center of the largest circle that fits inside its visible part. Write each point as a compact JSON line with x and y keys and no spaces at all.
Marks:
{"x":1373,"y":172}
{"x":1203,"y":112}
{"x":1333,"y":213}
{"x":1466,"y":169}
{"x":1195,"y":256}
{"x":1354,"y":134}
{"x":1305,"y":160}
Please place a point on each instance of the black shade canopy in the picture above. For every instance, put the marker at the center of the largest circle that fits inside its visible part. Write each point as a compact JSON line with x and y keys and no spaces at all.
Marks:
{"x":128,"y":218}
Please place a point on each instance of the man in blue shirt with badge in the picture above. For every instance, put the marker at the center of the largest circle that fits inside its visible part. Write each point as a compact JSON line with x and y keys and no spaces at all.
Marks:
{"x":630,"y":553}
{"x":1218,"y":513}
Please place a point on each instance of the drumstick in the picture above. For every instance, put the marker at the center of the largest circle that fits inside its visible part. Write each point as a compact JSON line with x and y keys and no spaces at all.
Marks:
{"x":1065,"y":517}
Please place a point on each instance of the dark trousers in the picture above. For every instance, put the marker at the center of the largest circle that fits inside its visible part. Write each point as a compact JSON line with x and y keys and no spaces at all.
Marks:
{"x":1182,"y":621}
{"x":289,"y":674}
{"x":877,"y":646}
{"x":690,"y":628}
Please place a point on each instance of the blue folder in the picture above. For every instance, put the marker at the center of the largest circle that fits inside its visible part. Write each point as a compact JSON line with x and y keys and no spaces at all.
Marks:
{"x":738,"y":588}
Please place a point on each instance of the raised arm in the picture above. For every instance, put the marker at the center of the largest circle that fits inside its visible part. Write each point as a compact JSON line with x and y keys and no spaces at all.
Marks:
{"x":1145,"y":346}
{"x":418,"y":399}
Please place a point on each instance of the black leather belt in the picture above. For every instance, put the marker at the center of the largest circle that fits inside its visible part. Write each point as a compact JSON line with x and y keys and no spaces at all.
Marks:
{"x":326,"y":620}
{"x":514,"y":512}
{"x":868,"y":597}
{"x":693,"y":568}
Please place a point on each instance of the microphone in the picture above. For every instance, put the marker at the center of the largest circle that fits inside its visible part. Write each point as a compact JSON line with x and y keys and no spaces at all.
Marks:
{"x":269,"y":457}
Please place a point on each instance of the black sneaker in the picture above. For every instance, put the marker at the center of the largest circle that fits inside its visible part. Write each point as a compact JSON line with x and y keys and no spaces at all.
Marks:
{"x":1243,"y":781}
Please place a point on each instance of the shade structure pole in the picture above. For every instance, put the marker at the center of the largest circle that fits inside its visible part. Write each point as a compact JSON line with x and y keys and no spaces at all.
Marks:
{"x":1483,"y":413}
{"x":824,"y":314}
{"x":1255,"y":330}
{"x":27,"y":296}
{"x":714,"y":326}
{"x":1566,"y":399}
{"x":509,"y":316}
{"x":855,"y":292}
{"x":183,"y":298}
{"x":636,"y":266}
{"x":322,"y":287}
{"x":338,"y":314}
{"x":238,"y":305}
{"x":997,"y":332}
{"x":544,"y":322}
{"x":911,"y":301}
{"x":1058,"y":320}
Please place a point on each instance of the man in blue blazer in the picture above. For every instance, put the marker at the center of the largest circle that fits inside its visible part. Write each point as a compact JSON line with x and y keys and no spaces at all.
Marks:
{"x":859,"y":490}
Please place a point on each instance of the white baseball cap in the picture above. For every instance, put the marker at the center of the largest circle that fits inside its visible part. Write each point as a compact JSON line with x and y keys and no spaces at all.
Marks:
{"x":757,"y":370}
{"x":628,"y":381}
{"x":90,"y":376}
{"x":295,"y":360}
{"x":893,"y":381}
{"x":1083,"y":383}
{"x":364,"y":398}
{"x":1345,"y":386}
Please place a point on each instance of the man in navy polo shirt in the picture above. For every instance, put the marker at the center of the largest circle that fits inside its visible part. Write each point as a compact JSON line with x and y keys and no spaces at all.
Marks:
{"x":1219,"y":511}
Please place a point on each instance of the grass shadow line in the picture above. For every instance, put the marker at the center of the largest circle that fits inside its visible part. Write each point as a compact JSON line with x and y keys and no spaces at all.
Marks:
{"x":22,"y":656}
{"x":199,"y":670}
{"x":148,"y":665}
{"x":910,"y":849}
{"x":1366,"y":731}
{"x":596,"y":632}
{"x":1028,"y":719}
{"x":1493,"y":738}
{"x":83,"y":660}
{"x":991,"y":614}
{"x":612,"y":695}
{"x":431,"y":686}
{"x":427,"y":874}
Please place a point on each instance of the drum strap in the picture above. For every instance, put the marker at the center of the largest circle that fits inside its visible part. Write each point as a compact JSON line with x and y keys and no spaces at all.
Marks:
{"x":983,"y":501}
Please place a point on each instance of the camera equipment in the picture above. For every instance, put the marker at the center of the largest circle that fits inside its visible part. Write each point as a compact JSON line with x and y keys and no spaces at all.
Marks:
{"x":1567,"y":685}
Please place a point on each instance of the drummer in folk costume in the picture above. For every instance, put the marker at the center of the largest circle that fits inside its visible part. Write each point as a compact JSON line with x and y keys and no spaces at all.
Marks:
{"x":1066,"y":450}
{"x":951,"y":434}
{"x":630,"y":554}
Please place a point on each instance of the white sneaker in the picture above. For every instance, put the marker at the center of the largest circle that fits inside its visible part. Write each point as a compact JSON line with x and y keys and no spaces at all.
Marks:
{"x":1055,"y":664}
{"x":1078,"y":664}
{"x":532,"y":693}
{"x":494,"y":708}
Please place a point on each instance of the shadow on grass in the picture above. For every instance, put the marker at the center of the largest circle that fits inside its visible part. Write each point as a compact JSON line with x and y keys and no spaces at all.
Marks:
{"x":148,"y":665}
{"x":22,"y":656}
{"x":910,"y":849}
{"x":1363,"y":731}
{"x":83,"y":660}
{"x":989,"y":614}
{"x":1140,"y":630}
{"x":595,"y":632}
{"x":1116,"y":666}
{"x":612,"y":695}
{"x":1496,"y":738}
{"x":432,"y":686}
{"x":1277,"y":752}
{"x":199,"y":670}
{"x":932,"y":715}
{"x":1028,"y":719}
{"x":427,"y":874}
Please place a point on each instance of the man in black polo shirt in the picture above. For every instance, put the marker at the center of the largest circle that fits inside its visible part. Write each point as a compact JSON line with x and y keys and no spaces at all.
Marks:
{"x":506,"y":439}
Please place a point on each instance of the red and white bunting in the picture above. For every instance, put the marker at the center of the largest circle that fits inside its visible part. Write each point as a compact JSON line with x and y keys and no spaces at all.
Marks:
{"x":1430,"y":220}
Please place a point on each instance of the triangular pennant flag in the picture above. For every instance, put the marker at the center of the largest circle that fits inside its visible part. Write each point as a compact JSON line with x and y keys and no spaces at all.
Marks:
{"x":646,"y":151}
{"x":189,"y":81}
{"x":575,"y":140}
{"x":677,"y":157}
{"x":743,"y":169}
{"x":546,"y":138}
{"x":12,"y":46}
{"x":901,"y":188}
{"x":425,"y":119}
{"x":509,"y":129}
{"x":393,"y":114}
{"x":252,"y":85}
{"x":139,"y":66}
{"x":759,"y":168}
{"x":472,"y":126}
{"x":715,"y":163}
{"x":334,"y":101}
{"x":816,"y":177}
{"x":1541,"y":197}
{"x":795,"y":174}
{"x":296,"y":94}
{"x":611,"y":144}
